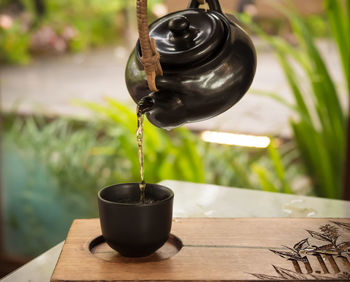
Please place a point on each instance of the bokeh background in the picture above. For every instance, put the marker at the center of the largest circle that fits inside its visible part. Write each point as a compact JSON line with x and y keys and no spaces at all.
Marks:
{"x":68,"y":124}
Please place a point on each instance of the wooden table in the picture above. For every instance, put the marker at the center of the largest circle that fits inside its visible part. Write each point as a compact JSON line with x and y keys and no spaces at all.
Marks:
{"x":216,"y":249}
{"x":202,"y":200}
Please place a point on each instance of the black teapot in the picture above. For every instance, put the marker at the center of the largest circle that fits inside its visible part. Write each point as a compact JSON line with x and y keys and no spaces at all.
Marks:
{"x":208,"y":64}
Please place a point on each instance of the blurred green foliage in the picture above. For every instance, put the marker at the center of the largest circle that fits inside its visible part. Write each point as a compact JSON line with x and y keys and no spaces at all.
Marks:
{"x":14,"y":45}
{"x":49,"y":178}
{"x":91,"y":23}
{"x":182,"y":155}
{"x":170,"y":155}
{"x":52,"y":169}
{"x":319,"y":131}
{"x":272,"y":169}
{"x":316,"y":23}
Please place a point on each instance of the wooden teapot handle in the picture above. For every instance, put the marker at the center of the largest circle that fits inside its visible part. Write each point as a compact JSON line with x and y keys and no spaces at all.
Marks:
{"x":150,"y":56}
{"x":213,"y":4}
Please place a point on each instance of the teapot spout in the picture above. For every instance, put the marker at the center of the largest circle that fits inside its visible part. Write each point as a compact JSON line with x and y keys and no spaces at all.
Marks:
{"x":146,"y":104}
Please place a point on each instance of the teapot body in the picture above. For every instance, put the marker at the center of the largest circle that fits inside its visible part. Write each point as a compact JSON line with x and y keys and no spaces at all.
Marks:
{"x":199,"y":90}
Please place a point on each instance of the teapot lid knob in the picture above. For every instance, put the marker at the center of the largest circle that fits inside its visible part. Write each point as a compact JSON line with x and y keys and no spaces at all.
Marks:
{"x":179,"y":25}
{"x":188,"y":36}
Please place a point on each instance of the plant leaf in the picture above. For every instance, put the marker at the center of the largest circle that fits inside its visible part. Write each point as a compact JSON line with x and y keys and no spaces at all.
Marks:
{"x":266,"y":277}
{"x":343,"y":246}
{"x":303,"y":244}
{"x":279,"y":167}
{"x":289,"y":274}
{"x":346,"y":226}
{"x":264,"y":178}
{"x":294,"y":251}
{"x":319,"y":236}
{"x":288,"y":255}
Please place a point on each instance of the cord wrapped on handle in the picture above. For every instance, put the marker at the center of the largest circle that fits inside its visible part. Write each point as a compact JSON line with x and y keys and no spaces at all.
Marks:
{"x":150,"y":56}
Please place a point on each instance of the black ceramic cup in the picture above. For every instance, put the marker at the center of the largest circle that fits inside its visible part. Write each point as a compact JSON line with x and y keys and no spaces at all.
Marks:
{"x":132,"y":228}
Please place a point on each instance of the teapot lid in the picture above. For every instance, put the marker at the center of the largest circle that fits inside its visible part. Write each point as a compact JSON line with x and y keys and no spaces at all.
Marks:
{"x":187,"y":36}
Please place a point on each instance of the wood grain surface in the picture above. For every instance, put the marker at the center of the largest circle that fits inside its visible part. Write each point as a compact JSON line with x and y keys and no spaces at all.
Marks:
{"x":217,"y":249}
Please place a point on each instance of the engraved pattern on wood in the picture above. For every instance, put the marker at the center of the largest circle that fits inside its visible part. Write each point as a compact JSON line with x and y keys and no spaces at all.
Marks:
{"x":331,"y":256}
